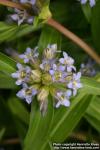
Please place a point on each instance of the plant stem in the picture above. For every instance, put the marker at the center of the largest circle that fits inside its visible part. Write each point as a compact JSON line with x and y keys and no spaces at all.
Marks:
{"x":13,"y":4}
{"x":90,"y":51}
{"x":10,"y":141}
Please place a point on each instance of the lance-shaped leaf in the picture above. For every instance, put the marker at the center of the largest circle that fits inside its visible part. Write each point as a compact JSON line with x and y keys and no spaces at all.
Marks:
{"x":20,"y":116}
{"x":95,"y":25}
{"x":49,"y":36}
{"x":90,"y":86}
{"x":87,"y":11}
{"x":66,"y":119}
{"x":11,"y":32}
{"x":2,"y":131}
{"x":6,"y":82}
{"x":18,"y":109}
{"x":7,"y":65}
{"x":39,"y":127}
{"x":93,"y":113}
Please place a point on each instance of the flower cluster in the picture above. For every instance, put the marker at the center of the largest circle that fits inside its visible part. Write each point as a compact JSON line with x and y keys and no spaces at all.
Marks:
{"x":91,"y":2}
{"x":88,"y":68}
{"x":21,"y":15}
{"x":44,"y":75}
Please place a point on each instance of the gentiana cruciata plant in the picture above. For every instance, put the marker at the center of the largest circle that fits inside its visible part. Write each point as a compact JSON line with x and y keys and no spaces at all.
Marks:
{"x":47,"y":74}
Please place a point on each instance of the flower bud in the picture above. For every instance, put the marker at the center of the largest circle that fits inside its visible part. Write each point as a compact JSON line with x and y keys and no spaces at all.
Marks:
{"x":43,"y":94}
{"x":49,"y":53}
{"x":46,"y":79}
{"x":36,"y":75}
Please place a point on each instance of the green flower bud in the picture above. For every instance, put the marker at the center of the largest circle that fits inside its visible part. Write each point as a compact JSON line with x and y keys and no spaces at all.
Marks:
{"x":36,"y":75}
{"x":46,"y":79}
{"x":35,"y":86}
{"x":43,"y":94}
{"x":48,"y":53}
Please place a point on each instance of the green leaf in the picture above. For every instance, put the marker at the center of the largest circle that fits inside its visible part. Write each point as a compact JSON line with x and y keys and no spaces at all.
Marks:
{"x":49,"y":36}
{"x":39,"y":127}
{"x":20,"y":117}
{"x":90,"y":86}
{"x":11,"y":32}
{"x":93,"y":113}
{"x":6,"y":82}
{"x":2,"y":131}
{"x":18,"y":110}
{"x":66,"y":119}
{"x":48,"y":146}
{"x":5,"y":114}
{"x":87,"y":11}
{"x":7,"y":65}
{"x":96,"y":25}
{"x":93,"y":121}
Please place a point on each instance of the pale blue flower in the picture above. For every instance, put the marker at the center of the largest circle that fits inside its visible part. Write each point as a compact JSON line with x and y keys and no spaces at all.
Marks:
{"x":75,"y":84}
{"x":88,"y":69}
{"x":27,"y":93}
{"x":63,"y":98}
{"x":28,"y":1}
{"x":20,"y":16}
{"x":62,"y":68}
{"x":68,"y":62}
{"x":83,"y":1}
{"x":56,"y":73}
{"x":54,"y":68}
{"x":91,"y":2}
{"x":32,"y":2}
{"x":47,"y":64}
{"x":49,"y":57}
{"x":22,"y":74}
{"x":29,"y":55}
{"x":30,"y":19}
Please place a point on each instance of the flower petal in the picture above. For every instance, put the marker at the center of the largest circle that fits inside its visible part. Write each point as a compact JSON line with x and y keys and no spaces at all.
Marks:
{"x":61,"y":60}
{"x":19,"y":66}
{"x":66,"y":103}
{"x":21,"y":94}
{"x":15,"y":75}
{"x":65,"y":55}
{"x":58,"y":104}
{"x":19,"y":82}
{"x":70,"y":85}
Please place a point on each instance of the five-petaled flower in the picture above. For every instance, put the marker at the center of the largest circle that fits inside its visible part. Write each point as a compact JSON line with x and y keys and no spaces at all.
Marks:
{"x":22,"y":74}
